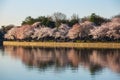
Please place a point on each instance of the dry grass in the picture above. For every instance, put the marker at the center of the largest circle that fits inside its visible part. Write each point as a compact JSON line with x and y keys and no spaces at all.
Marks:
{"x":63,"y":44}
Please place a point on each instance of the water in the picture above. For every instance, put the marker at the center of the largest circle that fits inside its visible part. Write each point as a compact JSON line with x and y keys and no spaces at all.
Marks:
{"x":34,"y":63}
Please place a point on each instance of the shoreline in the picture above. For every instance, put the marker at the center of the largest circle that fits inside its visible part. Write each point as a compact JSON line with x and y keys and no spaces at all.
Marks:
{"x":109,"y":45}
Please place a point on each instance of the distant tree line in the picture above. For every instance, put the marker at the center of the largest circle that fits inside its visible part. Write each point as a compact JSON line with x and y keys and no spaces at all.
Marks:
{"x":53,"y":21}
{"x":57,"y":18}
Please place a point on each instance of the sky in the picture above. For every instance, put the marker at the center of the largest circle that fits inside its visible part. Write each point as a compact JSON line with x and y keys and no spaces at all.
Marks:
{"x":15,"y":11}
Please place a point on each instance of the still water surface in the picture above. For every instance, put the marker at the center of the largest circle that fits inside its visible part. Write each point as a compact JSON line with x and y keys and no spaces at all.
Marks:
{"x":34,"y":63}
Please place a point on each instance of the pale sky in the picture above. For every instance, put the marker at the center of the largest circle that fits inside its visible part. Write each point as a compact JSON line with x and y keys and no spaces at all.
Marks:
{"x":15,"y":11}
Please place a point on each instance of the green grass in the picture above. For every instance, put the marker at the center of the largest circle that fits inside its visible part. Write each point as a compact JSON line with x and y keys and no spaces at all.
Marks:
{"x":64,"y":44}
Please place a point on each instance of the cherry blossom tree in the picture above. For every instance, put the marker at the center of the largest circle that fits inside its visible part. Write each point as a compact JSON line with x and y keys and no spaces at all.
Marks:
{"x":81,"y":30}
{"x":61,"y":31}
{"x":108,"y":30}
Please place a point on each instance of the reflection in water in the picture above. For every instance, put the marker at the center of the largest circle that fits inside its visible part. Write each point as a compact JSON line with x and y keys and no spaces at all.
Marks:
{"x":92,"y":59}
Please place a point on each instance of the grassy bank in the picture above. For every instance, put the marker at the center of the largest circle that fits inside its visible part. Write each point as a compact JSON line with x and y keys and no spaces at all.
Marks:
{"x":63,"y":44}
